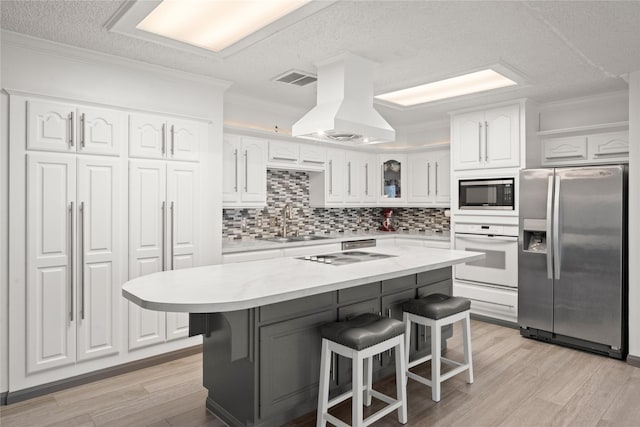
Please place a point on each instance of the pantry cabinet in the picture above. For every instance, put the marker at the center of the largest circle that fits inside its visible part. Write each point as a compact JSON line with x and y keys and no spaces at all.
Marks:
{"x":63,"y":127}
{"x":244,"y":169}
{"x":429,"y":178}
{"x":72,"y":289}
{"x":163,"y":216}
{"x":486,"y":139}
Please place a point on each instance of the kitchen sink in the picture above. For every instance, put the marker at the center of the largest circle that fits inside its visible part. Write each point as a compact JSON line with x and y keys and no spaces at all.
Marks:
{"x":290,"y":239}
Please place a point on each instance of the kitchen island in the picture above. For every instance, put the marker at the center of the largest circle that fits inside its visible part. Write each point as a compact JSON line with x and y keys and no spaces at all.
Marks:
{"x":260,"y":321}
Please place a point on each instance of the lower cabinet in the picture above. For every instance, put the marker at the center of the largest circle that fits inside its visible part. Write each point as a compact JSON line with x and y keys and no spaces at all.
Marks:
{"x":262,"y":366}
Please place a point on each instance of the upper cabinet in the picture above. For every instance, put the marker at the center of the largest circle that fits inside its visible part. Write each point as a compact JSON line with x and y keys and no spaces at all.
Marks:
{"x":429,"y":178}
{"x":53,"y":126}
{"x":393,"y":173}
{"x":486,"y":139}
{"x":293,"y":155}
{"x":586,"y":149}
{"x":158,"y":137}
{"x":244,"y":171}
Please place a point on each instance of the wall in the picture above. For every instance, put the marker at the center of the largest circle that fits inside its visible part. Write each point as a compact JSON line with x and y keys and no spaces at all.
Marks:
{"x":293,"y":187}
{"x":598,"y":109}
{"x":39,"y":67}
{"x":634,"y":214}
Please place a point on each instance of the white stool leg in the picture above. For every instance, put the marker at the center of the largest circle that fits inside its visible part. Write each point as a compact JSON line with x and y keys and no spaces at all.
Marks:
{"x":401,"y":382}
{"x":466,"y":337}
{"x":323,"y":393}
{"x":407,"y":345}
{"x":368,"y":369}
{"x":435,"y":361}
{"x":358,"y":389}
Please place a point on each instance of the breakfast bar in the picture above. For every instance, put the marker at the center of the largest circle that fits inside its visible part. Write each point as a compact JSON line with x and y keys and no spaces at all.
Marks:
{"x":260,"y":320}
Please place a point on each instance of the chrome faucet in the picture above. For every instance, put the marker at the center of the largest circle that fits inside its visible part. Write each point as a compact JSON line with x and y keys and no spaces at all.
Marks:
{"x":286,"y":214}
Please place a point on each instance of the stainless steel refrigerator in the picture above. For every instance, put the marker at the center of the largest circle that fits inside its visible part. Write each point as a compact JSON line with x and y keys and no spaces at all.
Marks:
{"x":572,"y":258}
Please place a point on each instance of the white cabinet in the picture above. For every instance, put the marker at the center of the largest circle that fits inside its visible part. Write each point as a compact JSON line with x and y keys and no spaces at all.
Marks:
{"x":159,"y":137}
{"x":586,"y":149}
{"x":312,"y":155}
{"x":429,"y":178}
{"x":244,"y":169}
{"x":486,"y":139}
{"x":163,"y":221}
{"x":70,"y":128}
{"x":297,"y":156}
{"x":393,"y":173}
{"x":72,"y":288}
{"x":281,"y":152}
{"x":328,"y":188}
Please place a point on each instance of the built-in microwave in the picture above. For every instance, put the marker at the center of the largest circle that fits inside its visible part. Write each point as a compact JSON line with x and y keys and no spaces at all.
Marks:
{"x":490,"y":194}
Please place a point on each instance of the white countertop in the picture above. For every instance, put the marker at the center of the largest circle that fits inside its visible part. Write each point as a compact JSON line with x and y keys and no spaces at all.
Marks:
{"x":247,"y":245}
{"x":229,"y":287}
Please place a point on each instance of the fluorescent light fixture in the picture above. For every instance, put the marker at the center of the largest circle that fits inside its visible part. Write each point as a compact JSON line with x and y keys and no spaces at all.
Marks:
{"x":479,"y":81}
{"x":215,"y":24}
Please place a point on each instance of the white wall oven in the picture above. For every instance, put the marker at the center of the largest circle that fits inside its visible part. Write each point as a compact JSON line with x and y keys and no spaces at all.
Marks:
{"x":500,"y":245}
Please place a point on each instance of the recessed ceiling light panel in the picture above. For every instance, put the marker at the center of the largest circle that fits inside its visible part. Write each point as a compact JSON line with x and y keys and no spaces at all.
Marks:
{"x":466,"y":84}
{"x":215,"y":24}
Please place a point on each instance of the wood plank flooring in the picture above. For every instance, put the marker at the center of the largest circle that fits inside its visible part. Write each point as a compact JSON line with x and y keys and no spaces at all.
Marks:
{"x":518,"y":382}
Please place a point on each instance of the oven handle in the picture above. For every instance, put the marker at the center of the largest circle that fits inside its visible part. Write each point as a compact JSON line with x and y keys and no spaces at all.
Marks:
{"x":486,"y":238}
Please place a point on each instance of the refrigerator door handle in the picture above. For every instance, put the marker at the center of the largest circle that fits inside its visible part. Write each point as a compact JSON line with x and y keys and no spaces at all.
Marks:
{"x":549,"y":228}
{"x":556,"y":229}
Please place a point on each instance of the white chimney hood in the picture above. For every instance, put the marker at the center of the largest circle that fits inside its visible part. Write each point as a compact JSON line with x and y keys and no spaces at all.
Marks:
{"x":344,"y":111}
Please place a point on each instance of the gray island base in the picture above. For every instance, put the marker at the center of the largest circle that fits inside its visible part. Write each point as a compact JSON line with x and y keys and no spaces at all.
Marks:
{"x":260,"y":322}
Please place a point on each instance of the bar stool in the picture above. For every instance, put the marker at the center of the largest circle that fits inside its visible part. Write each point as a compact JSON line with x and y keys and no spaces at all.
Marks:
{"x":360,"y":339}
{"x":436,"y":311}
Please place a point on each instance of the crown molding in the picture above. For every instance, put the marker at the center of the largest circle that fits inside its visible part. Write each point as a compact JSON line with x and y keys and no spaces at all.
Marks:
{"x":10,"y":38}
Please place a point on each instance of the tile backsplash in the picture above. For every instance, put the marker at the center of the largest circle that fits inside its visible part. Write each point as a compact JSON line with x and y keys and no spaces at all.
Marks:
{"x":285,"y":186}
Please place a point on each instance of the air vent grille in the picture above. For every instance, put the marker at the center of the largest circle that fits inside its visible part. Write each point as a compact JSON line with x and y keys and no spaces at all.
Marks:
{"x":296,"y":77}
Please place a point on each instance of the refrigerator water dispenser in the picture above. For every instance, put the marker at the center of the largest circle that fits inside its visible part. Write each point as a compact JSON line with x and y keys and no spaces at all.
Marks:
{"x":535,"y":236}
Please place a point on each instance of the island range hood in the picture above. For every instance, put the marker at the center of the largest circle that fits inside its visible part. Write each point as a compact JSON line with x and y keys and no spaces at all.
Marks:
{"x":344,"y":110}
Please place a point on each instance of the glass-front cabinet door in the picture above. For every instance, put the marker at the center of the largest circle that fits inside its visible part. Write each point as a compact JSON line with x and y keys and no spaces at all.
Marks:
{"x":393,"y":172}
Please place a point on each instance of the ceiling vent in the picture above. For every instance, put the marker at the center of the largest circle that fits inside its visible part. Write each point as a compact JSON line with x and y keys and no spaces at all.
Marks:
{"x":295,"y":77}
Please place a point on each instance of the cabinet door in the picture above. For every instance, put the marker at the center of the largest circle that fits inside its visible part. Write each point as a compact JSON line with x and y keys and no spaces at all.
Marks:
{"x":312,"y":155}
{"x":466,"y":140}
{"x":352,"y":177}
{"x":231,"y":169}
{"x":369,"y":172}
{"x":392,"y":307}
{"x":421,"y":178}
{"x":254,"y":171}
{"x":442,"y":176}
{"x":147,"y":232}
{"x":562,"y":150}
{"x":184,"y":140}
{"x":393,"y":169}
{"x":50,"y":126}
{"x":335,"y":176}
{"x":183,"y":220}
{"x":147,"y":136}
{"x":290,"y":362}
{"x":51,"y":248}
{"x":99,"y":251}
{"x":502,"y":134}
{"x":609,"y":147}
{"x":283,"y":152}
{"x":99,"y":131}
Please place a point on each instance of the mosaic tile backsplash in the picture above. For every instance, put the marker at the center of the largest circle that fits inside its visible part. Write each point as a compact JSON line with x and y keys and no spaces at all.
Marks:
{"x":285,"y":186}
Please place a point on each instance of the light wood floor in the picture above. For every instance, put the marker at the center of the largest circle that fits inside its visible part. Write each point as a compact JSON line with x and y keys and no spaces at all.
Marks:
{"x":518,"y":382}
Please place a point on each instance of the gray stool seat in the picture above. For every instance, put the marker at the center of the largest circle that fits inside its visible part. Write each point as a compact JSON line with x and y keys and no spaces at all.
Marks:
{"x":363,"y":331}
{"x":437,"y":306}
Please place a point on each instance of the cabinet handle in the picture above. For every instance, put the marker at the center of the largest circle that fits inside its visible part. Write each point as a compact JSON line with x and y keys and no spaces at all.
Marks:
{"x":334,"y":373}
{"x":288,"y":159}
{"x":330,"y":177}
{"x":382,"y":180}
{"x":82,"y":130}
{"x":246,"y":171}
{"x":71,"y":129}
{"x":71,"y":264}
{"x":436,"y":178}
{"x":317,"y":162}
{"x":389,"y":312}
{"x":349,"y":176}
{"x":173,"y":139}
{"x":164,"y":225}
{"x":164,"y":138}
{"x":480,"y":141}
{"x":486,"y":141}
{"x":171,"y":236}
{"x":81,"y":240}
{"x":428,"y":178}
{"x":235,"y":155}
{"x":366,"y":179}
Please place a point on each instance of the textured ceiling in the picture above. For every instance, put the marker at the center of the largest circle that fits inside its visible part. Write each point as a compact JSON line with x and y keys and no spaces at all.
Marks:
{"x":565,"y":49}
